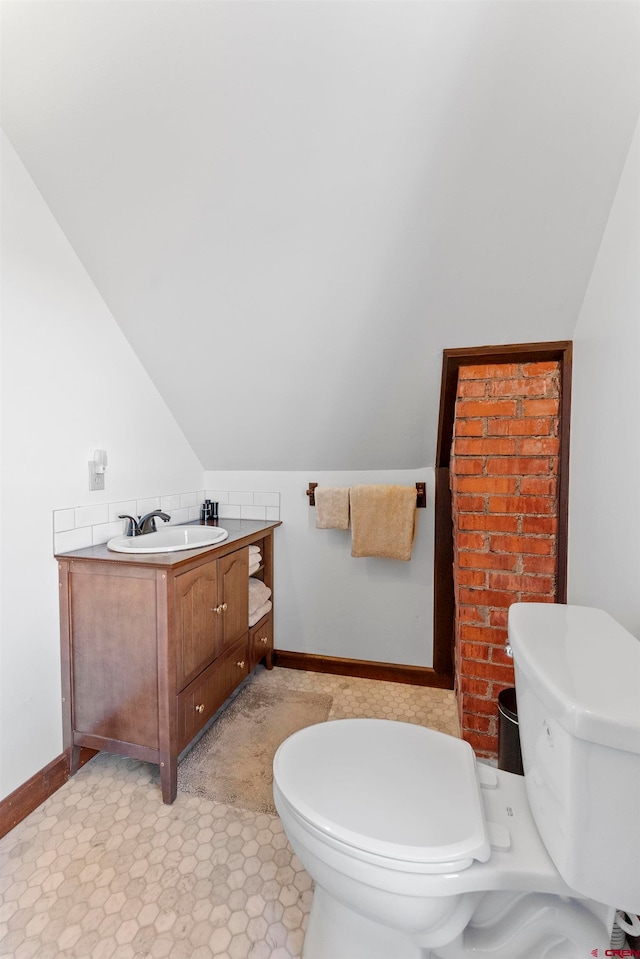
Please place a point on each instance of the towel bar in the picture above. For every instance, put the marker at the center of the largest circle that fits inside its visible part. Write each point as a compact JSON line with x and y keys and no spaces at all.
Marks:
{"x":421,"y":495}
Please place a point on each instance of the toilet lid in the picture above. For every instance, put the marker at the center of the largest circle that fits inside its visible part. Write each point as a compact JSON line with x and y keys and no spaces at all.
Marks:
{"x":389,"y":788}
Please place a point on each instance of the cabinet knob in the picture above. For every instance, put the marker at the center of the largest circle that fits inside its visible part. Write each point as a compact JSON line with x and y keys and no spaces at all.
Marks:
{"x":263,"y":639}
{"x":223,"y":607}
{"x":241,"y":664}
{"x":219,"y":609}
{"x":200,"y":708}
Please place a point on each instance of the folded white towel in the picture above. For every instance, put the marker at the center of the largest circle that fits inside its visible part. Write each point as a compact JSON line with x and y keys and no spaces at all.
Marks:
{"x":254,"y":567}
{"x":260,"y":612}
{"x":254,"y":549}
{"x":258,"y":594}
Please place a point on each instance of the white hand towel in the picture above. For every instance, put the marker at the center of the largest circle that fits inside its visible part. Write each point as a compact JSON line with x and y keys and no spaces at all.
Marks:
{"x":258,"y":594}
{"x":254,"y":549}
{"x":253,"y":567}
{"x":260,"y":612}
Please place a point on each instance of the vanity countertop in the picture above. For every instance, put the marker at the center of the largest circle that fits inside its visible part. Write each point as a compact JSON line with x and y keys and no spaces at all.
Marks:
{"x":242,"y":532}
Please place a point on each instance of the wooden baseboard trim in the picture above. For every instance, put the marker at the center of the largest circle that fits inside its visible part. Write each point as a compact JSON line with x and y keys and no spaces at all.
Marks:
{"x":363,"y":668}
{"x":23,"y":800}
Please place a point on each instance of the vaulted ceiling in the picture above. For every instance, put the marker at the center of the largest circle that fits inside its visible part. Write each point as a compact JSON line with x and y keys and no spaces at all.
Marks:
{"x":292,"y":207}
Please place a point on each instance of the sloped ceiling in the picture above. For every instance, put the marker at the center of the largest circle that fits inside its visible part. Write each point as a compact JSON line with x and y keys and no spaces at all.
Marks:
{"x":292,"y":207}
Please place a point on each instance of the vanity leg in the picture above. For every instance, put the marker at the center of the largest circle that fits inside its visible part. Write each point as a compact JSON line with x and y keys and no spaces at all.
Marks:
{"x":268,"y":659}
{"x":169,"y":780}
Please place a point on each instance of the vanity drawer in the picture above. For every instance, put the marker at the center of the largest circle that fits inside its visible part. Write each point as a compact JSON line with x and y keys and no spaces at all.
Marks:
{"x":200,"y":700}
{"x":261,"y":641}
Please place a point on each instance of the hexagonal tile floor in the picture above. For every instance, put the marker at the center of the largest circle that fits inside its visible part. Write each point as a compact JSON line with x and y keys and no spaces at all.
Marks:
{"x":104,"y":870}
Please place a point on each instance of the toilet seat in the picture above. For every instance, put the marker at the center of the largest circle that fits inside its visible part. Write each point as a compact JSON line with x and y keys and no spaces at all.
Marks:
{"x":387,"y":789}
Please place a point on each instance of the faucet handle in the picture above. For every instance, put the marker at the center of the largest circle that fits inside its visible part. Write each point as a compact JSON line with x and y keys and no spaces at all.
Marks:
{"x":132,"y":525}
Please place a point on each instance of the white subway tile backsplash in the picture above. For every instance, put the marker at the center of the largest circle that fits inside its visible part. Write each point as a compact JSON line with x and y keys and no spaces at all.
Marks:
{"x":253,"y":512}
{"x":82,"y":526}
{"x":228,"y":511}
{"x":73,"y":539}
{"x":179,"y":516}
{"x":105,"y":532}
{"x":266,"y":499}
{"x":91,"y":515}
{"x":147,"y":505}
{"x":63,"y":519}
{"x":241,"y":498}
{"x":127,"y":507}
{"x":218,"y":495}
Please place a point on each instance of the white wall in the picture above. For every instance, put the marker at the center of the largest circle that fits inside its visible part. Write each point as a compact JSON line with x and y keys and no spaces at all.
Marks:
{"x":325,"y":195}
{"x":604,"y":518}
{"x":70,"y":383}
{"x":327,"y":602}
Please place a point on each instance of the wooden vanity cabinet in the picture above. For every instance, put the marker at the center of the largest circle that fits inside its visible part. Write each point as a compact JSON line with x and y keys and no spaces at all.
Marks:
{"x":151,"y":650}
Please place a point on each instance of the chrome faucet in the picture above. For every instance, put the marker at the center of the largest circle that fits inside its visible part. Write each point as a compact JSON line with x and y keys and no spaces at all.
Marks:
{"x":144,"y":524}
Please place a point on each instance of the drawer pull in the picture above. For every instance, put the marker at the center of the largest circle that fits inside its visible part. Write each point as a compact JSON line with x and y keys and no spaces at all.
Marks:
{"x":219,"y":609}
{"x":241,"y":664}
{"x":200,"y":708}
{"x":223,"y":607}
{"x":263,"y":639}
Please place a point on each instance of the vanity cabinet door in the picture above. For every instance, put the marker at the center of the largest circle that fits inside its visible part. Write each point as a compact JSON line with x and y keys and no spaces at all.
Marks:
{"x":196,"y":620}
{"x":233,"y":597}
{"x":211,"y":612}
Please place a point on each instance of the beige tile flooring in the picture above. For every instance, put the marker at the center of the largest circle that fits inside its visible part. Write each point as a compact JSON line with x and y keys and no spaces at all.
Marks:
{"x":104,"y":870}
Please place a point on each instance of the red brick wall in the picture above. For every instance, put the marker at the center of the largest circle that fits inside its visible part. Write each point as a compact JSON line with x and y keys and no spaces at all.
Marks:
{"x":504,"y":463}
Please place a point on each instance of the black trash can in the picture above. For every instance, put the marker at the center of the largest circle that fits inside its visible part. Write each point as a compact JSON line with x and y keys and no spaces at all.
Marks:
{"x":509,"y":753}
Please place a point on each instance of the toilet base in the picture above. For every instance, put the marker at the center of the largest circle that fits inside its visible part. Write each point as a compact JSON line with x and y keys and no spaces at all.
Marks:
{"x":530,"y":926}
{"x":337,"y":932}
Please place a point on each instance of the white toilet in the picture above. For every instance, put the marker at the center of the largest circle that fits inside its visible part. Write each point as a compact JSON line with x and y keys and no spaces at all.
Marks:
{"x":419,"y":851}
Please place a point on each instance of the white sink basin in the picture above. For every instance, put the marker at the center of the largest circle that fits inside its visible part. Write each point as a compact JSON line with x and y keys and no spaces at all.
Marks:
{"x":171,"y":539}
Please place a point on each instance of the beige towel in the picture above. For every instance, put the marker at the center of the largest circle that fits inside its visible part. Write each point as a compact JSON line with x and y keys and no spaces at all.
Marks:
{"x":332,"y":507}
{"x":383,"y":521}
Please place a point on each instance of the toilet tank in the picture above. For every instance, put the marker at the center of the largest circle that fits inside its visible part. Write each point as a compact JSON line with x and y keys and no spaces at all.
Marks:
{"x":578,"y":693}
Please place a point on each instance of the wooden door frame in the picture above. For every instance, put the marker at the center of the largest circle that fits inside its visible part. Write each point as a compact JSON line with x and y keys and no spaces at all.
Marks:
{"x":444,"y":598}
